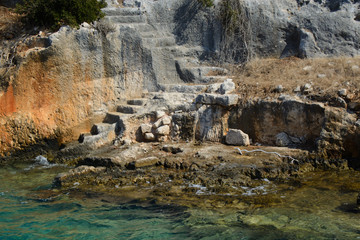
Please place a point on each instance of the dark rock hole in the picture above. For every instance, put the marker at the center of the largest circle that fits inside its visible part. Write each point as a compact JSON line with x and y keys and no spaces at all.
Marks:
{"x":357,"y":17}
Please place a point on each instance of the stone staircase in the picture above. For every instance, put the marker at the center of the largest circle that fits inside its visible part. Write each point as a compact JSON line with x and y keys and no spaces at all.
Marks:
{"x":113,"y":125}
{"x":181,"y":64}
{"x":170,"y":60}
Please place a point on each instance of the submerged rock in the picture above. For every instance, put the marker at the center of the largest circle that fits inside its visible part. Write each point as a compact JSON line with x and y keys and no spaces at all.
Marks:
{"x":74,"y":174}
{"x":143,"y":162}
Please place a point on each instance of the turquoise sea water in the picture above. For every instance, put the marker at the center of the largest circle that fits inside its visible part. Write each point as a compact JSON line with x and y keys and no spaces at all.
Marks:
{"x":322,"y":206}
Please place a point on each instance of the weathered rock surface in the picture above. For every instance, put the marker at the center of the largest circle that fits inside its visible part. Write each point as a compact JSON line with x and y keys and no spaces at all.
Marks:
{"x":263,"y":120}
{"x":237,"y":137}
{"x":143,"y":162}
{"x":163,"y":130}
{"x":219,"y":171}
{"x":65,"y":82}
{"x":303,"y":28}
{"x":226,"y":87}
{"x":145,"y":128}
{"x":283,"y":140}
{"x":214,"y":99}
{"x":76,"y":173}
{"x":166,"y":120}
{"x":149,"y":136}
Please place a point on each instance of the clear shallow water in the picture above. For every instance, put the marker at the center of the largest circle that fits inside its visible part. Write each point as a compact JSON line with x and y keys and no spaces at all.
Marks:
{"x":320,"y":207}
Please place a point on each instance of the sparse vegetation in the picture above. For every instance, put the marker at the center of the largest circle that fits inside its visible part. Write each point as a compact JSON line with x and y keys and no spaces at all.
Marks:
{"x":207,"y":3}
{"x":236,"y":31}
{"x":259,"y":77}
{"x":105,"y":27}
{"x":55,"y":13}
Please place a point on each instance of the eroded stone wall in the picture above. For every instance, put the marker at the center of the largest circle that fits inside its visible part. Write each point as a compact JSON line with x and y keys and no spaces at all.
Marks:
{"x":60,"y":89}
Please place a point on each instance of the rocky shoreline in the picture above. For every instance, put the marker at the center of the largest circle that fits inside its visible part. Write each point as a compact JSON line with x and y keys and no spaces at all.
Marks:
{"x":159,"y":118}
{"x":198,"y":162}
{"x":205,"y":150}
{"x":193,"y":175}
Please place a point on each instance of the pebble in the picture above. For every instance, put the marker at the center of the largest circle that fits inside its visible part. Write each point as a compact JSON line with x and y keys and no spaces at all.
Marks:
{"x":342,"y":92}
{"x":279,"y":89}
{"x":297,"y":89}
{"x":307,"y":88}
{"x":307,"y":68}
{"x":149,"y":136}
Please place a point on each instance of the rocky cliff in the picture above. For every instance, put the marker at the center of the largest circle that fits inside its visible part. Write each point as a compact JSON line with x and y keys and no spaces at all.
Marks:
{"x":61,"y":83}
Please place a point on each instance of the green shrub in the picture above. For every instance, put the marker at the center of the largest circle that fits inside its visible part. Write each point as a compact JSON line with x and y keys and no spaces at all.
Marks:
{"x":55,"y":13}
{"x":206,"y":3}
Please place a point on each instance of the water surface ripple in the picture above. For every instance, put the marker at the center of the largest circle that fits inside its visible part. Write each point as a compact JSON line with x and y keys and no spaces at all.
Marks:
{"x":320,"y":206}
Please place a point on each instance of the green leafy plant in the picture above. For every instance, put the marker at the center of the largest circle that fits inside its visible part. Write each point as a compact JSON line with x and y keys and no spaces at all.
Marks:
{"x":56,"y":13}
{"x":207,"y":3}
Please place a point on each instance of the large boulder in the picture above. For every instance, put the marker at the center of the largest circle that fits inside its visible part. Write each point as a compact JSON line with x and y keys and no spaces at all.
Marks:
{"x":237,"y":137}
{"x":283,"y":140}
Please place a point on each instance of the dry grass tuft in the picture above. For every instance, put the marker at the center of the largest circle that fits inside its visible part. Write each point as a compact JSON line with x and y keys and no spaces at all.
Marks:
{"x":10,"y":23}
{"x":259,"y":77}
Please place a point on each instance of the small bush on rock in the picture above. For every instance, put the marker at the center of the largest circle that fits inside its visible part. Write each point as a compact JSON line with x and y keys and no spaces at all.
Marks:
{"x":206,"y":3}
{"x":55,"y":13}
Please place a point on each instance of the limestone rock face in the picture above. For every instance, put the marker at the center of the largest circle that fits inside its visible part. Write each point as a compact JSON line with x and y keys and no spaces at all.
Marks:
{"x":264,"y":120}
{"x":307,"y":46}
{"x":65,"y":82}
{"x":237,"y":137}
{"x":332,"y":132}
{"x":61,"y":88}
{"x":303,"y":28}
{"x":340,"y":136}
{"x":211,"y":124}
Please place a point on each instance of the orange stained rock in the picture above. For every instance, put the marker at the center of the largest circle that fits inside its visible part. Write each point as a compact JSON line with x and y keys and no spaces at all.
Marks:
{"x":7,"y":102}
